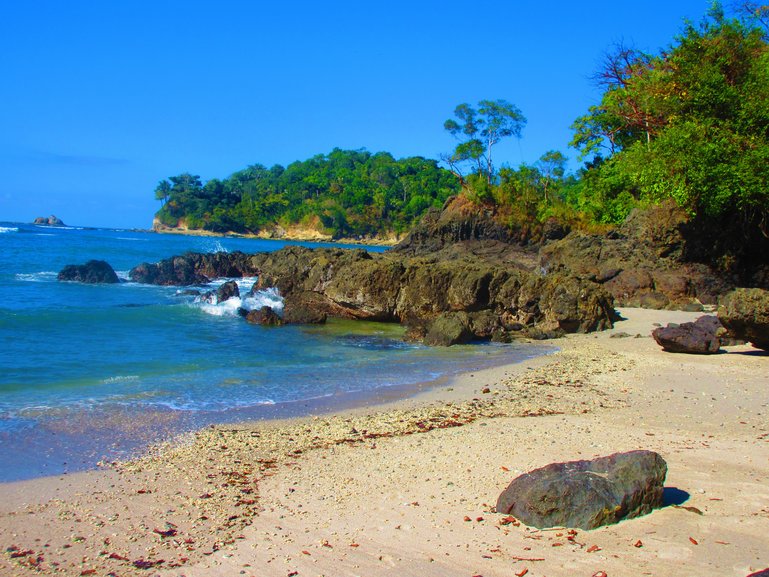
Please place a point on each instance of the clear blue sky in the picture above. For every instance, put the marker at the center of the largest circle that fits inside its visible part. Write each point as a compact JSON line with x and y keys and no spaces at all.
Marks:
{"x":100,"y":100}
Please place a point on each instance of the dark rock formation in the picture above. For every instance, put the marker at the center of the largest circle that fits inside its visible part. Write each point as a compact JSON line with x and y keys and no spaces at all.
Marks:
{"x":305,"y":308}
{"x":264,"y":316}
{"x":642,"y":263}
{"x":194,"y":269}
{"x":745,"y":314}
{"x":500,"y":299}
{"x":587,"y":494}
{"x":448,"y":329}
{"x":460,"y":220}
{"x":49,"y":221}
{"x":227,"y":291}
{"x":701,"y":337}
{"x":92,"y":272}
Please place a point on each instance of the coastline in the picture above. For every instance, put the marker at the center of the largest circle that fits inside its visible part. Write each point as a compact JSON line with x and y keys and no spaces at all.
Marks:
{"x":298,"y":235}
{"x":272,"y":498}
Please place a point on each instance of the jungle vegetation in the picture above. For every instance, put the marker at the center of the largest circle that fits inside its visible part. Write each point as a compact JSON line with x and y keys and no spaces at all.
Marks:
{"x":688,"y":123}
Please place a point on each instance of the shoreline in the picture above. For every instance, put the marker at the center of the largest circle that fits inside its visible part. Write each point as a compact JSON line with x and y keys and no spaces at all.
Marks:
{"x":120,"y":433}
{"x":306,"y":237}
{"x":296,"y":495}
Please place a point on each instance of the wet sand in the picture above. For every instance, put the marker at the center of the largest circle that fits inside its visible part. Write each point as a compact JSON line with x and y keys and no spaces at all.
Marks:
{"x":407,"y":488}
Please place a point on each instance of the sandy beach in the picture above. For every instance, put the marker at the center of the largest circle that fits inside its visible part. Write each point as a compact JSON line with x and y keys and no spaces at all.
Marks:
{"x":408,"y":487}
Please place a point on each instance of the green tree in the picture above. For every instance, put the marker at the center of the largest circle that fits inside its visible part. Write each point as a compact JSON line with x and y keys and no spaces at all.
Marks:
{"x":479,"y":130}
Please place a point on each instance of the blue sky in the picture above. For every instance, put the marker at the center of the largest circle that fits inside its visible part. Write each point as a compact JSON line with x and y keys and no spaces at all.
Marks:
{"x":100,"y":100}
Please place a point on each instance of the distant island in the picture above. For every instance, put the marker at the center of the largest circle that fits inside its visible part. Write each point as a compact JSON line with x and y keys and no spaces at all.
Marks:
{"x":49,"y":221}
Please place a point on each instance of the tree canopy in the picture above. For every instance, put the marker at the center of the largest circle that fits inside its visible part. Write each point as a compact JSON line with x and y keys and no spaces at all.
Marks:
{"x":478,"y":130}
{"x":343,"y":193}
{"x":690,"y":123}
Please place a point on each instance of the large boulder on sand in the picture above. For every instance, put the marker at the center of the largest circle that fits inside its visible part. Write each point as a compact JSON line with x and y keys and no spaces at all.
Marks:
{"x":92,"y":272}
{"x":701,"y":337}
{"x":587,"y":494}
{"x":745,"y":314}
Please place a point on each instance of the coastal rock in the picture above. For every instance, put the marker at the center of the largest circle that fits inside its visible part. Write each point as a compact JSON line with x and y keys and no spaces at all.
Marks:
{"x":643,"y":263}
{"x":264,"y":316}
{"x":460,"y":220}
{"x":92,"y":272}
{"x":175,"y":271}
{"x":306,"y":307}
{"x":587,"y":494}
{"x":449,"y":329}
{"x":500,"y":299}
{"x":49,"y":221}
{"x":227,"y":291}
{"x":194,"y":269}
{"x":745,"y":314}
{"x":700,"y":337}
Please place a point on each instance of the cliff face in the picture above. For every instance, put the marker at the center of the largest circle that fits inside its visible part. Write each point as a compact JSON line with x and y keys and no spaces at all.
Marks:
{"x":655,"y":260}
{"x":658,"y":258}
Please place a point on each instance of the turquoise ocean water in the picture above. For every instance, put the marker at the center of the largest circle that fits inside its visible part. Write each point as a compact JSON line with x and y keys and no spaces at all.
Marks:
{"x":97,"y":372}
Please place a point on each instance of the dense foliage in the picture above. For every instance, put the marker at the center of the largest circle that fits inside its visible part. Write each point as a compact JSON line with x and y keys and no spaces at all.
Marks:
{"x":690,"y":123}
{"x":345,"y":193}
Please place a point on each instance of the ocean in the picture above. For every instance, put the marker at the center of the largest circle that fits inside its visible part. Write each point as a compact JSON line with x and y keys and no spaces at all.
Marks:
{"x":95,"y":373}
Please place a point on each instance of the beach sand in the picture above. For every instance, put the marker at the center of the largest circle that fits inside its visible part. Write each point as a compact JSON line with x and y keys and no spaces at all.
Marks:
{"x":408,"y":488}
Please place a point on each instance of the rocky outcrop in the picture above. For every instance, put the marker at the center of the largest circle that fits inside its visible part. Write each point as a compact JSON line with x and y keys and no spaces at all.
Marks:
{"x":587,"y":494}
{"x":227,"y":291}
{"x":745,"y":314}
{"x":642,"y":263}
{"x":263,"y":316}
{"x":460,"y":220}
{"x":49,"y":221}
{"x":194,"y":269}
{"x":500,"y":301}
{"x":92,"y":272}
{"x":306,"y":308}
{"x":702,"y":337}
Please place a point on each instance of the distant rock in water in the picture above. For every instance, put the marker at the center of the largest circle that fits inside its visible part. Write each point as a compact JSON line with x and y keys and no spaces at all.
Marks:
{"x":587,"y":494}
{"x":92,"y":272}
{"x":49,"y":221}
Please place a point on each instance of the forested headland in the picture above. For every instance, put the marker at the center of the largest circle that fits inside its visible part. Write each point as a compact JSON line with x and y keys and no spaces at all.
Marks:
{"x":688,"y":124}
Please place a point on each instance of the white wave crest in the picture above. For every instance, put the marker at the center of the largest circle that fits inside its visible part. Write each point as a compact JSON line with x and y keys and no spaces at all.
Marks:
{"x":228,"y":308}
{"x":120,"y":379}
{"x":4,"y":229}
{"x":264,"y":298}
{"x":45,"y":276}
{"x":213,"y":246}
